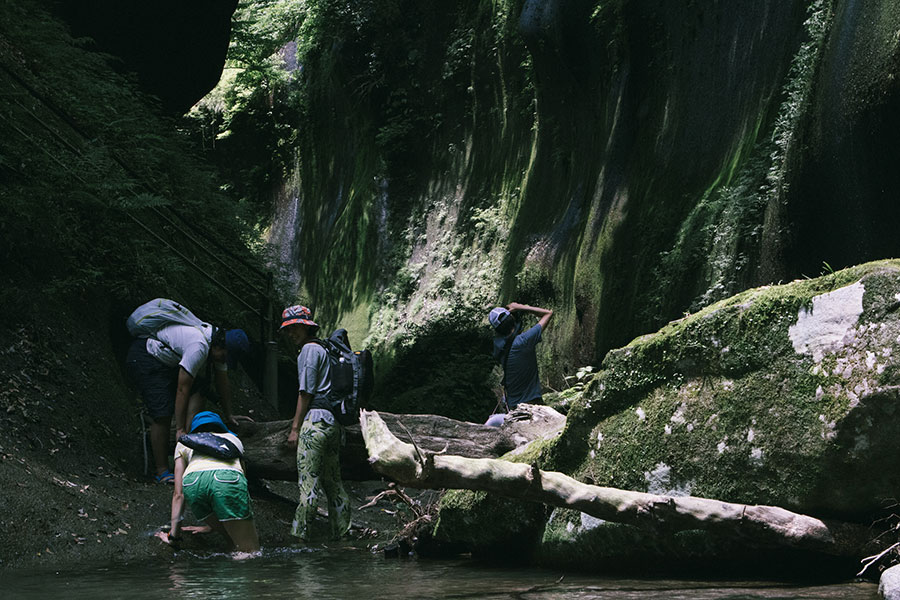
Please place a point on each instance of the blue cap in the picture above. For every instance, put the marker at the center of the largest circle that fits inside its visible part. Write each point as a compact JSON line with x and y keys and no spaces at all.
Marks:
{"x":238,"y":344}
{"x":207,"y":417}
{"x":498,"y":316}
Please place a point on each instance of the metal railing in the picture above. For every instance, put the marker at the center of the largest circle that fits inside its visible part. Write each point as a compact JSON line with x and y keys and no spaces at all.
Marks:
{"x":265,"y":311}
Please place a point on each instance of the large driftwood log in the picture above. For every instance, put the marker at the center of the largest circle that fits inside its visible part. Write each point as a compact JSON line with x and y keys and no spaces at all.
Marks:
{"x":413,"y":466}
{"x":269,"y":457}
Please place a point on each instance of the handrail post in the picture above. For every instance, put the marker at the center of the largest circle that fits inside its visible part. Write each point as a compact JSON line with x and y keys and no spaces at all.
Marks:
{"x":270,"y":373}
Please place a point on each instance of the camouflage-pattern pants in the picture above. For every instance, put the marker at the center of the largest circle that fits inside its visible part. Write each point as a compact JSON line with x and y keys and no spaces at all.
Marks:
{"x":319,"y":469}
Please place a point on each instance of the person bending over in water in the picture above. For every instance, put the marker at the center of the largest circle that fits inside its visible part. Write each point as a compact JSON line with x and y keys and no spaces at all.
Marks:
{"x":214,"y":486}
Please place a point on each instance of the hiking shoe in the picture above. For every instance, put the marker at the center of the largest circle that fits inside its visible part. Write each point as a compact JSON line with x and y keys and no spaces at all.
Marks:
{"x":165,"y":477}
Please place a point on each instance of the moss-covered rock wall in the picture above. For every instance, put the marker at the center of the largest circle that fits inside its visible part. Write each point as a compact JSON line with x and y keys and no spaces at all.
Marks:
{"x":621,"y":162}
{"x":782,"y":395}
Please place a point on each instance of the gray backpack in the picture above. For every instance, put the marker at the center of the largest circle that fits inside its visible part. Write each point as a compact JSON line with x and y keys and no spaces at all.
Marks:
{"x":150,"y":317}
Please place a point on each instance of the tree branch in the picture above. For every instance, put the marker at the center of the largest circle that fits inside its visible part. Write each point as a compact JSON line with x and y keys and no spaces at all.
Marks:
{"x":769,"y":525}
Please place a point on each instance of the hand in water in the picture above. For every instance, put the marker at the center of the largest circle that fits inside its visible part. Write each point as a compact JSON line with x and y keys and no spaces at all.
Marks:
{"x":197,"y":529}
{"x":163,"y":536}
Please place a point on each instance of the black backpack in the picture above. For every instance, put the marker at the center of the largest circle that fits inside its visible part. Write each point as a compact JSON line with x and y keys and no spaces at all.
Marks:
{"x":210,"y":444}
{"x":352,"y":377}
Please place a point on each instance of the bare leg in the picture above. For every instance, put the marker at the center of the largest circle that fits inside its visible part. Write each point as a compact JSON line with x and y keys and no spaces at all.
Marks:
{"x":215,"y":524}
{"x":159,"y":442}
{"x":243,"y":534}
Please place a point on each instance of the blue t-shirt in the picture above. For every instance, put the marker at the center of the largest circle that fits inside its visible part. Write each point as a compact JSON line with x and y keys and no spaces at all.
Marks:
{"x":522,"y":381}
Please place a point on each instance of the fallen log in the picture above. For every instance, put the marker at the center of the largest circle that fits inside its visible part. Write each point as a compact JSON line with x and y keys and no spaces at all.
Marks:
{"x":269,"y":457}
{"x":413,"y":466}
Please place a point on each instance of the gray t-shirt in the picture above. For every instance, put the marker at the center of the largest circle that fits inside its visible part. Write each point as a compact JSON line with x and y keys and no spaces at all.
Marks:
{"x":314,"y":377}
{"x":522,"y":381}
{"x":183,"y":345}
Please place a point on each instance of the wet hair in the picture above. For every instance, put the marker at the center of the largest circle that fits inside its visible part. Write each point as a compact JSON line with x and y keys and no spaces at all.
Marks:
{"x":507,"y":325}
{"x":218,"y":337}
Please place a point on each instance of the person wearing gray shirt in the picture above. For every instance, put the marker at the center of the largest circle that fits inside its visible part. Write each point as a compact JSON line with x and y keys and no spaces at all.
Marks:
{"x":314,"y":430}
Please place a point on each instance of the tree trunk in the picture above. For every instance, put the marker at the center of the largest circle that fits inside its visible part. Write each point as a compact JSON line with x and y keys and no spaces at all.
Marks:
{"x":767,"y":525}
{"x":269,"y":457}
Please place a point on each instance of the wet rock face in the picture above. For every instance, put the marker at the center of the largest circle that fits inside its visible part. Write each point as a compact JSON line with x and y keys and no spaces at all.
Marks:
{"x":176,"y":48}
{"x":782,"y":395}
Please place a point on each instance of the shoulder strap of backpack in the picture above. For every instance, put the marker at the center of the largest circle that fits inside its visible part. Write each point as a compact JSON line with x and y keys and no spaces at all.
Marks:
{"x":320,"y":342}
{"x":505,"y":358}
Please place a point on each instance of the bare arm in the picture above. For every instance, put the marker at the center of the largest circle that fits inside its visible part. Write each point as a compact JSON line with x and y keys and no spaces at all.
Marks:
{"x":303,"y":402}
{"x":543,"y":314}
{"x":182,"y":394}
{"x":223,"y":387}
{"x":177,"y":500}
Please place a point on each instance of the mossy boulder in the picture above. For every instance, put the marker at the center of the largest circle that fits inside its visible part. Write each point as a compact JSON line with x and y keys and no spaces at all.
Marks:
{"x":491,"y":527}
{"x":784,"y":395}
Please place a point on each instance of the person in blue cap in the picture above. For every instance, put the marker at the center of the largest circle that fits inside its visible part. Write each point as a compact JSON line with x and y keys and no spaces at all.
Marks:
{"x":516,"y":352}
{"x":315,"y":431}
{"x":214,"y":486}
{"x":174,"y":375}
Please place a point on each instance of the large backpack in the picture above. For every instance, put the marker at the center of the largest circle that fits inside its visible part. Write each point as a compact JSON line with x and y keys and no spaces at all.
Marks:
{"x":352,"y":377}
{"x":150,"y":317}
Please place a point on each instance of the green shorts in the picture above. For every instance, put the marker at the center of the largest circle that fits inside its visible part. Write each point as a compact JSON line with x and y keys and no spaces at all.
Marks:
{"x":221,"y":493}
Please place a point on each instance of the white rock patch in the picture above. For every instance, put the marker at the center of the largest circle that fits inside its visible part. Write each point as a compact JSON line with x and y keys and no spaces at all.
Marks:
{"x":659,"y":481}
{"x":756,"y":456}
{"x":832,"y":317}
{"x":589,"y":522}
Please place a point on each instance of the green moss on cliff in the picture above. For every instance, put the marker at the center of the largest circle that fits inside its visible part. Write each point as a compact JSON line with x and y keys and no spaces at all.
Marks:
{"x":603,"y":159}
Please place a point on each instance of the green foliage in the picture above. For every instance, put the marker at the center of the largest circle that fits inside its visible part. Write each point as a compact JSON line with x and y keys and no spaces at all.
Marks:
{"x":263,"y":27}
{"x":87,"y":165}
{"x":437,"y":369}
{"x":249,"y":123}
{"x":580,"y":379}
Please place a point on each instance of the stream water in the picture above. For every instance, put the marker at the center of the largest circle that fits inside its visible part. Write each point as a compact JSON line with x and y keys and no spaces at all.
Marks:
{"x":324,"y":574}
